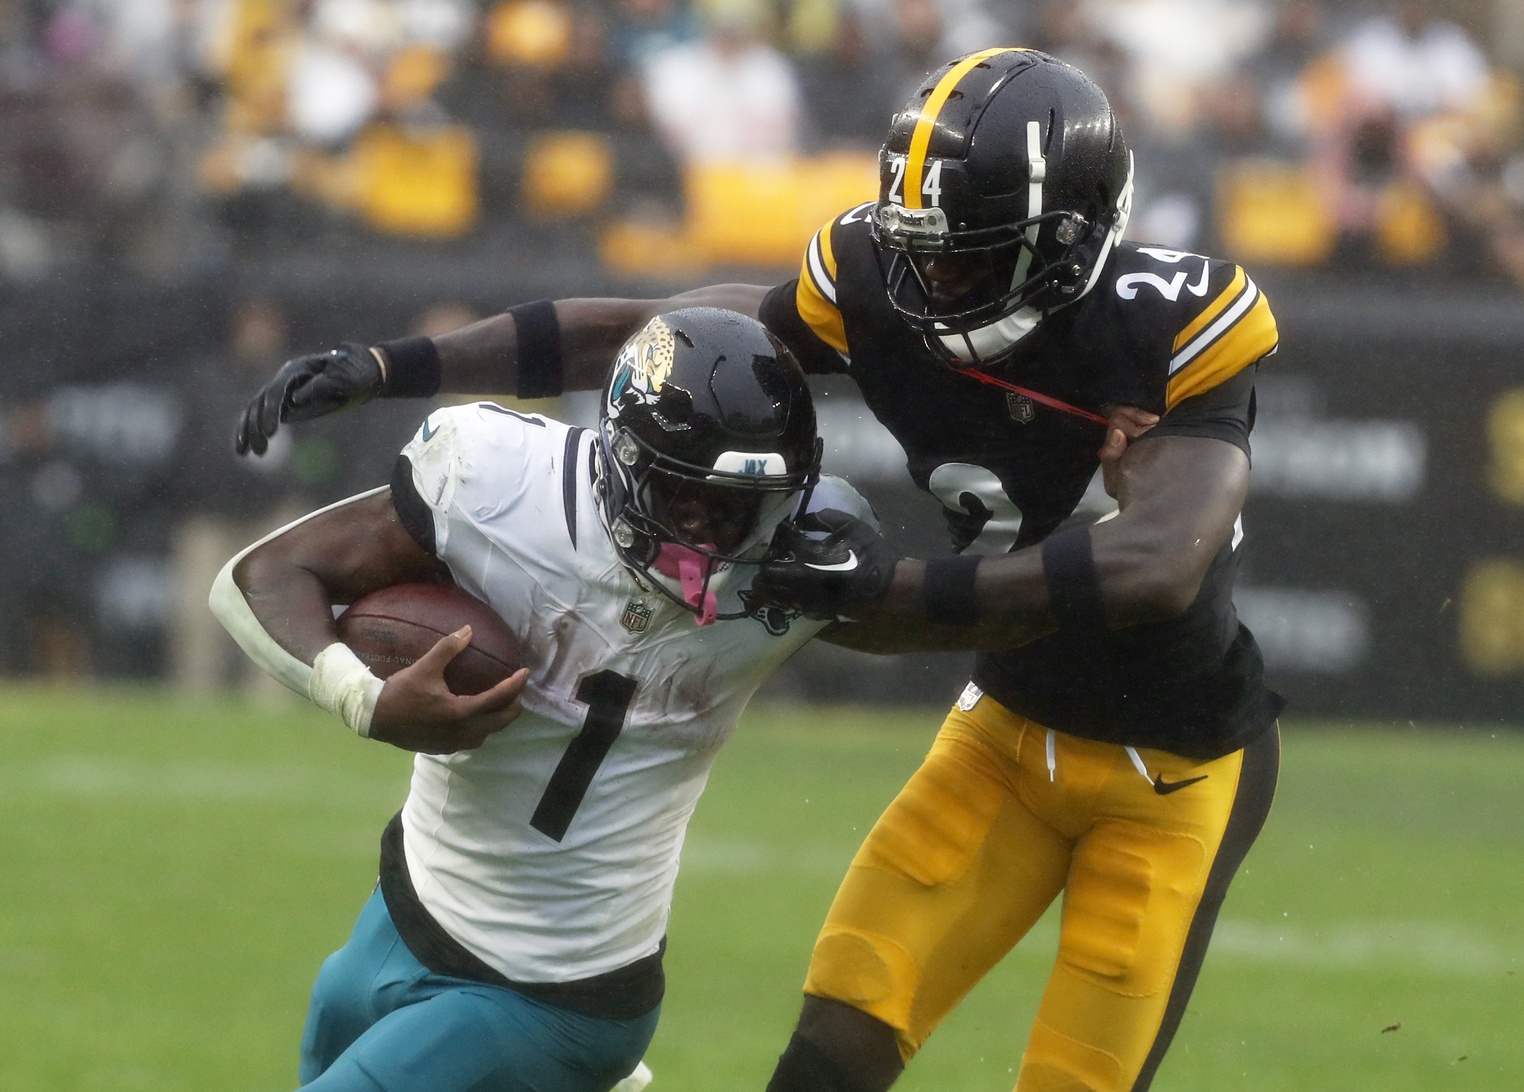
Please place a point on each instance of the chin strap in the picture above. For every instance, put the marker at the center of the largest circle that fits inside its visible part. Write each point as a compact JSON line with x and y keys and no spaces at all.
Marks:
{"x":692,"y":570}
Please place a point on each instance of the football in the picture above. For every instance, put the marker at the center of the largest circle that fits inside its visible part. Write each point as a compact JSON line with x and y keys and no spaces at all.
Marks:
{"x":392,"y":627}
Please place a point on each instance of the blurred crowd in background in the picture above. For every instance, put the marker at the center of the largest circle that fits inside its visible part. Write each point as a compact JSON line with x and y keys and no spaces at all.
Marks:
{"x":680,"y":134}
{"x":154,"y":151}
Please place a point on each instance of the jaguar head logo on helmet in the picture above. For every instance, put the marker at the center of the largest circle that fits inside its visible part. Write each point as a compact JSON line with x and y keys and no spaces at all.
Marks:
{"x":706,"y":442}
{"x":1003,"y":186}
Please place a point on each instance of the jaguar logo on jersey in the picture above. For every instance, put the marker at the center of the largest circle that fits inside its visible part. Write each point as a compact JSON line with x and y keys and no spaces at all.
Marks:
{"x":1023,"y":410}
{"x":644,"y":363}
{"x":636,"y":616}
{"x":775,"y":620}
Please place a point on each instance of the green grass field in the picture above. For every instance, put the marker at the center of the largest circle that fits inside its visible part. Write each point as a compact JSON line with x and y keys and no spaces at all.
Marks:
{"x":171,"y":874}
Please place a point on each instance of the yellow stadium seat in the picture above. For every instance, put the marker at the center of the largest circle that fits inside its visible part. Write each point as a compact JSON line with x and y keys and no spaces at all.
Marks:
{"x":1273,"y":213}
{"x":1409,"y":230}
{"x":567,"y":173}
{"x":252,"y":55}
{"x":762,"y":213}
{"x":412,"y":75}
{"x":647,"y":247}
{"x":416,"y":181}
{"x":533,"y":33}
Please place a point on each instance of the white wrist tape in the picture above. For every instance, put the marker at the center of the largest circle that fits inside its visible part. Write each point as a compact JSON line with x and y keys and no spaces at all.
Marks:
{"x":341,"y":684}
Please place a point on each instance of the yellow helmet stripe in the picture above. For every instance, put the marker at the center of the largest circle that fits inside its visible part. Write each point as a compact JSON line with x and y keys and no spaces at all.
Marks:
{"x":915,"y":161}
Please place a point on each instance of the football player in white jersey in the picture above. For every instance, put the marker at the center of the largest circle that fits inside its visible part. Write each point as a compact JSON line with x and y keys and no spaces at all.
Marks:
{"x":515,"y":939}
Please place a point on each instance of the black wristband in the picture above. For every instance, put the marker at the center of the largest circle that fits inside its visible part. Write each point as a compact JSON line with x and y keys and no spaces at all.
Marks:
{"x":412,"y":368}
{"x":1074,"y":587}
{"x":539,"y":349}
{"x":947,"y":590}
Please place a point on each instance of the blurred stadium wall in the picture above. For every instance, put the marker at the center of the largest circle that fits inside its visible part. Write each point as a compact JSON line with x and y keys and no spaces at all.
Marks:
{"x":189,"y":192}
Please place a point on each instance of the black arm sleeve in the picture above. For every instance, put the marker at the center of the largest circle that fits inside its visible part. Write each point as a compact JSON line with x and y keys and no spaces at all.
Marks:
{"x":780,"y":315}
{"x":412,"y":512}
{"x":1226,"y":412}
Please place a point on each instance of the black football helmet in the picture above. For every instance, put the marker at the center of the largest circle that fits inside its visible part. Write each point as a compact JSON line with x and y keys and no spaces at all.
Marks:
{"x":706,"y":410}
{"x":1004,"y":184}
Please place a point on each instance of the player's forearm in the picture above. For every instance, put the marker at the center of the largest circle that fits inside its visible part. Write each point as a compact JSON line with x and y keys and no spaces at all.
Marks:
{"x":885,"y":633}
{"x":1000,"y":602}
{"x":290,"y":604}
{"x":481,"y":358}
{"x":484,"y":357}
{"x":287,"y":584}
{"x":282,"y":617}
{"x":1004,"y":605}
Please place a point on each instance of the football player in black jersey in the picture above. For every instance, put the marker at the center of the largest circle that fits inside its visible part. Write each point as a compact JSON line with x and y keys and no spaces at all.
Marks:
{"x":1126,"y":754}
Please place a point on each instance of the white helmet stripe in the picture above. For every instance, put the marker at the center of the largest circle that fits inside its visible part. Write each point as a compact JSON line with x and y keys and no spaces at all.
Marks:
{"x":1038,"y":173}
{"x":1114,"y":236}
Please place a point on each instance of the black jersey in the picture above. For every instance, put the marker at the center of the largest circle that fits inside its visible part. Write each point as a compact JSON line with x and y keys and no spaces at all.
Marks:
{"x":1174,"y":333}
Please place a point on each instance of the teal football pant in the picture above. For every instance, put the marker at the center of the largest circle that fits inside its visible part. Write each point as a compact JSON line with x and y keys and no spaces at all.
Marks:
{"x":380,"y":1021}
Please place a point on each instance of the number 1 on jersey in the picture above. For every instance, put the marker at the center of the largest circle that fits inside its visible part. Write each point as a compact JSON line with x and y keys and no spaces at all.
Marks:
{"x":607,"y":695}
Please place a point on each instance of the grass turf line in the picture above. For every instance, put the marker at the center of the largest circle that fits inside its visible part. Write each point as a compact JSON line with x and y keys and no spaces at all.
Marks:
{"x":175,"y":872}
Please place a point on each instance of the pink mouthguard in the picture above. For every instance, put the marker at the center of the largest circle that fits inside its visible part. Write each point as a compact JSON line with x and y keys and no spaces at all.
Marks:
{"x":689,"y":568}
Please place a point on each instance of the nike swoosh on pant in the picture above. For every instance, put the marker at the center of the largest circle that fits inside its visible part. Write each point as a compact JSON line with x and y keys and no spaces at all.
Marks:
{"x":1164,"y":788}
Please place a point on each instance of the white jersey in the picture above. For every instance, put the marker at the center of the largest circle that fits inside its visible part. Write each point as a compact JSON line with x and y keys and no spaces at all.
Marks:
{"x":551,"y":852}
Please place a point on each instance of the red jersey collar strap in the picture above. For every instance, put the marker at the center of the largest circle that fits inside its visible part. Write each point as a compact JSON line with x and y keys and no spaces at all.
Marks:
{"x":1044,"y":399}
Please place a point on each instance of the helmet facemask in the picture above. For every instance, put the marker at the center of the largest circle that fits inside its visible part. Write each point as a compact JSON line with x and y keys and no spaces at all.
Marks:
{"x":1017,"y":273}
{"x":1004,"y":184}
{"x":1035,"y":264}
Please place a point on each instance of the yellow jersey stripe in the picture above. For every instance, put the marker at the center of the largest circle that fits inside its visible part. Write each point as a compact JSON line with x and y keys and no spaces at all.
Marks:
{"x":1220,"y":326}
{"x":920,"y":139}
{"x":1251,"y":339}
{"x":815,"y":299}
{"x":1215,"y":308}
{"x":820,"y":263}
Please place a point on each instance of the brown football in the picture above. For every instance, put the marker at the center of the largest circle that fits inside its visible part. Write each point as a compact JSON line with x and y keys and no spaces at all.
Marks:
{"x":391,"y":627}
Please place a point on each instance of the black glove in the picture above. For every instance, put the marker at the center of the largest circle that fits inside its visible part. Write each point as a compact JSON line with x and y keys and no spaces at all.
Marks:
{"x":306,"y":387}
{"x":963,"y":526}
{"x":822,"y":575}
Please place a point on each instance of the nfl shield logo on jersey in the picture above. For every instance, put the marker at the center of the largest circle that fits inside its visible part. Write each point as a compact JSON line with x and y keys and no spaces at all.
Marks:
{"x":1021,"y":407}
{"x":636,"y":617}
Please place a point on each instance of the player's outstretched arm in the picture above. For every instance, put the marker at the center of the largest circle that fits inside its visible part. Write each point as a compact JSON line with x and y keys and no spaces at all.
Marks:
{"x":1179,"y":498}
{"x":277,"y":600}
{"x":535,"y":349}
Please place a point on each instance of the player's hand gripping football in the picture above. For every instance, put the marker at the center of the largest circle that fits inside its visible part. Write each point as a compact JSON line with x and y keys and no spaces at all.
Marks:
{"x":417,"y":712}
{"x":825,"y":564}
{"x":309,"y":386}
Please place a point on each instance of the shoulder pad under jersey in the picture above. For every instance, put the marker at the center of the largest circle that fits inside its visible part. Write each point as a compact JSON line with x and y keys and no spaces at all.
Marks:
{"x":1202,"y":318}
{"x":817,"y":298}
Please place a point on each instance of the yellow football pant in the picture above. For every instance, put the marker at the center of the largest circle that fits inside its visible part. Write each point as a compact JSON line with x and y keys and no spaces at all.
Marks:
{"x":1003,"y":816}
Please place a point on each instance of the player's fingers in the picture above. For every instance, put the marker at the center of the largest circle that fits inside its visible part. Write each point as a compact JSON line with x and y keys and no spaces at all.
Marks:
{"x":1115,"y":445}
{"x":832,"y":519}
{"x":267,"y":410}
{"x":245,"y":439}
{"x":500,"y":699}
{"x":310,"y":399}
{"x":445,"y":649}
{"x":1134,"y":422}
{"x":259,"y":436}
